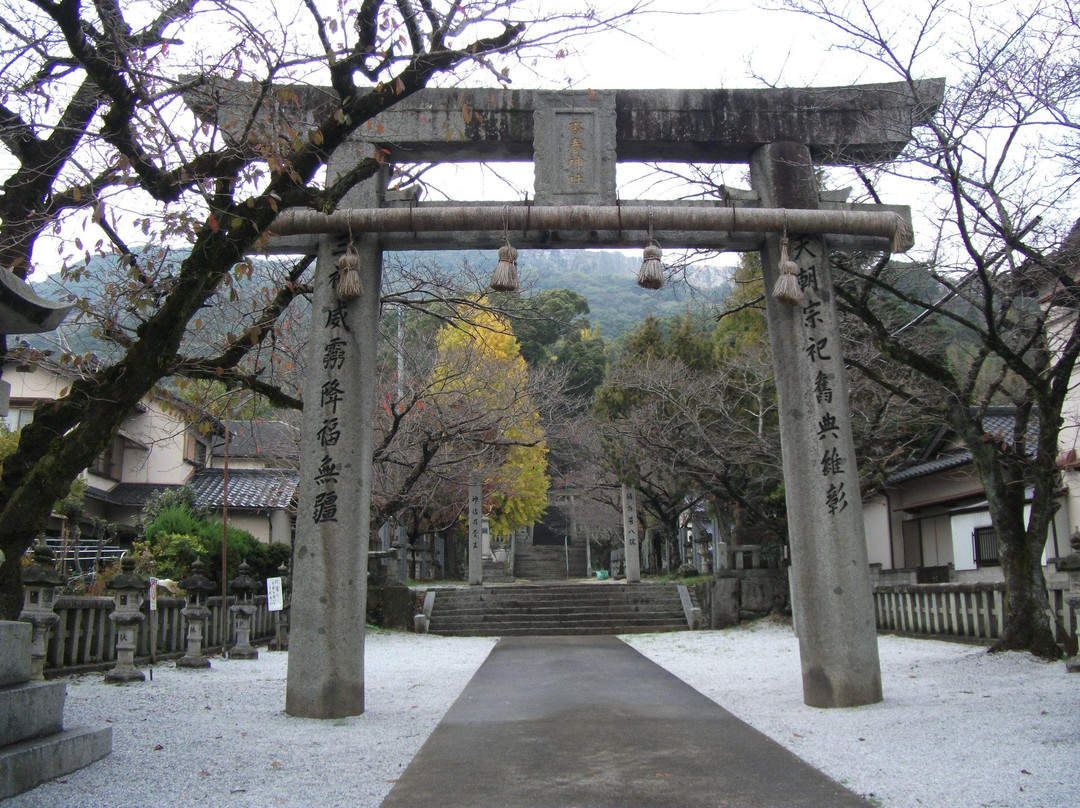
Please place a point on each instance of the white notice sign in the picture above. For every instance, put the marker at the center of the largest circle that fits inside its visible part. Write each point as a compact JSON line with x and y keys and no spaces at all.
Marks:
{"x":153,"y":594}
{"x":275,"y":601}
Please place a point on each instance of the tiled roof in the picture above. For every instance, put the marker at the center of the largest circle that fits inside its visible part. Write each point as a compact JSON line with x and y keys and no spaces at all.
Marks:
{"x":264,"y":439}
{"x":128,"y":495}
{"x":998,"y":423}
{"x":257,"y":489}
{"x":943,"y":463}
{"x":260,"y":489}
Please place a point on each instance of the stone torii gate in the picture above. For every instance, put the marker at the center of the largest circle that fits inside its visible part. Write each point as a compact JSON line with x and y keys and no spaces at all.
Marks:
{"x":575,"y":139}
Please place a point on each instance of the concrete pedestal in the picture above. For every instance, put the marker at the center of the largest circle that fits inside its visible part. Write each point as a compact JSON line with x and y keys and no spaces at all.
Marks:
{"x":34,"y":746}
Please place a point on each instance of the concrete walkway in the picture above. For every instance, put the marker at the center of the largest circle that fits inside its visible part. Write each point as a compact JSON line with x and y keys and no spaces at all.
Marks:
{"x":588,"y":722}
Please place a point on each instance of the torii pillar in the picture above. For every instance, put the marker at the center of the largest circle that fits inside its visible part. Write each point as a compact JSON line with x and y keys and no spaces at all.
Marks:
{"x":829,"y":567}
{"x":333,"y":522}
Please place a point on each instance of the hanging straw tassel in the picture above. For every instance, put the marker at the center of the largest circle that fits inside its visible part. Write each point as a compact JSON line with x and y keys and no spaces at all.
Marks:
{"x":505,"y":276}
{"x":787,"y":289}
{"x":348,"y":284}
{"x":903,"y":238}
{"x":651,"y":274}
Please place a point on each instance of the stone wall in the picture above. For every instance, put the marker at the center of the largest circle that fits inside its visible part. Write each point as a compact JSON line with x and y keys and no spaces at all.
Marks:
{"x":737,"y":595}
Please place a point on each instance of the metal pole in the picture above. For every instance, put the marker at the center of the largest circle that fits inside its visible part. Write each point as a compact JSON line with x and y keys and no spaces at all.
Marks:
{"x":225,"y":545}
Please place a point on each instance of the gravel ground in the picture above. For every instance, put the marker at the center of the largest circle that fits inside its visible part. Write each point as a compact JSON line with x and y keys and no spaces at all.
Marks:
{"x":957,"y":727}
{"x":220,"y":738}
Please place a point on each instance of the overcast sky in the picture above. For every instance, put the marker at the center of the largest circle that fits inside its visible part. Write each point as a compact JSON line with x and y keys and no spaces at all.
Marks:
{"x":722,"y":44}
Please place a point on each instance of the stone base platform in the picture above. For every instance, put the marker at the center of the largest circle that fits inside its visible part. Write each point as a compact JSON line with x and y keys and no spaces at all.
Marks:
{"x":34,"y":746}
{"x":30,"y":763}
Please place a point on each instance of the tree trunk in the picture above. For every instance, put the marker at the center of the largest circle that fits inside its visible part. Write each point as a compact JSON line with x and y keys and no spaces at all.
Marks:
{"x":1027,"y":604}
{"x":11,"y":598}
{"x":450,"y":567}
{"x":1027,"y":624}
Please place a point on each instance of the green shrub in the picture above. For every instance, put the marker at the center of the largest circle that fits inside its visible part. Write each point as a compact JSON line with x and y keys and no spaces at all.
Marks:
{"x":177,"y":536}
{"x":175,"y":552}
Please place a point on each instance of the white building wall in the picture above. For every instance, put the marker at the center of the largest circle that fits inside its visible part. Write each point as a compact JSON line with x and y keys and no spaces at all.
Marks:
{"x":876,"y":527}
{"x":940,"y":487}
{"x":163,"y":434}
{"x":280,"y":527}
{"x":35,"y":383}
{"x":963,"y":528}
{"x":237,"y":463}
{"x":257,"y":524}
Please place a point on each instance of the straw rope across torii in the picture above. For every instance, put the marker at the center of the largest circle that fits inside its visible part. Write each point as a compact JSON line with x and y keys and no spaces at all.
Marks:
{"x":889,"y":226}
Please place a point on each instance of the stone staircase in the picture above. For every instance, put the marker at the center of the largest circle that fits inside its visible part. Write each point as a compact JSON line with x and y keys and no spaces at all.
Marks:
{"x":494,"y":572}
{"x":549,"y":562}
{"x":534,"y":609}
{"x":34,"y":746}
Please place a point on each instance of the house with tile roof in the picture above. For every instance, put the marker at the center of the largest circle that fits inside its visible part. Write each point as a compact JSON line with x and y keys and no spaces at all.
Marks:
{"x":930,"y":522}
{"x":931,"y":519}
{"x":165,"y":443}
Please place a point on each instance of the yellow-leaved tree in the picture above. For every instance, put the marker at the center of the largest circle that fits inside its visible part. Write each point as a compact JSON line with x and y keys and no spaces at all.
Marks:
{"x":480,"y":363}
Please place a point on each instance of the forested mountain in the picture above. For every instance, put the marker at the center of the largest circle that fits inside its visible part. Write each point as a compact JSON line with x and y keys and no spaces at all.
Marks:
{"x":606,"y":278}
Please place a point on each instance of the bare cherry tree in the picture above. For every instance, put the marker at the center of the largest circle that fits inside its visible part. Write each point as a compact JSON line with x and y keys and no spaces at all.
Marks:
{"x":997,"y":168}
{"x":101,"y":149}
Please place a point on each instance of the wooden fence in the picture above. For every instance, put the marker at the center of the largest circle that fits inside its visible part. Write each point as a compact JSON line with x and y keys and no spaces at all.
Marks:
{"x":84,"y":639}
{"x":974,"y":610}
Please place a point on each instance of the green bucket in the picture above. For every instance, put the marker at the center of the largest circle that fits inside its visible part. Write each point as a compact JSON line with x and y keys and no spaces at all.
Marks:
{"x":602,"y":575}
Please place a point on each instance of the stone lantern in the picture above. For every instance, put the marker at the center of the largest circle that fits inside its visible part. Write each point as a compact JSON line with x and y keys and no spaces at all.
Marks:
{"x":40,"y":581}
{"x":198,"y":588}
{"x":129,"y":592}
{"x":243,"y":586}
{"x":1071,"y":565}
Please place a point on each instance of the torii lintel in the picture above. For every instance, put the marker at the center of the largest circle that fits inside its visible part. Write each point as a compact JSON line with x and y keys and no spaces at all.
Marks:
{"x":840,"y":125}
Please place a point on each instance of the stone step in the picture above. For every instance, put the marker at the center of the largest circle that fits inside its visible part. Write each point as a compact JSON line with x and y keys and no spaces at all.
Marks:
{"x":31,"y":710}
{"x":494,"y":572}
{"x":570,"y":616}
{"x":34,"y":747}
{"x":555,"y":619}
{"x":585,"y":608}
{"x":554,"y":590}
{"x":511,"y":601}
{"x":631,"y":613}
{"x":549,"y":562}
{"x":609,"y":627}
{"x":534,"y":631}
{"x":30,"y":763}
{"x":554,"y":607}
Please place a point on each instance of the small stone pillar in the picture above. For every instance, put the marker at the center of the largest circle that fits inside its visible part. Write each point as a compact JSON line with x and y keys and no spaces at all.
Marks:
{"x":129,"y":592}
{"x":198,"y":588}
{"x":631,"y":535}
{"x":476,"y":528}
{"x":40,"y":580}
{"x":281,"y":618}
{"x":402,"y":557}
{"x":243,"y":586}
{"x":1071,"y":565}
